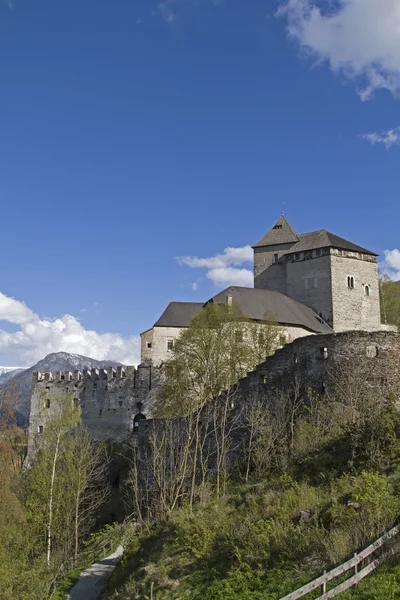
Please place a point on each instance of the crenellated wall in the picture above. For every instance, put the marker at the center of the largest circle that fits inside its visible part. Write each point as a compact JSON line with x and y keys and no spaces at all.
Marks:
{"x":112,"y":400}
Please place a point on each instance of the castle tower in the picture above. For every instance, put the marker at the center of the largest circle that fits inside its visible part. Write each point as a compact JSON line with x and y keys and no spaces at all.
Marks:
{"x":334,"y":277}
{"x":269,"y":265}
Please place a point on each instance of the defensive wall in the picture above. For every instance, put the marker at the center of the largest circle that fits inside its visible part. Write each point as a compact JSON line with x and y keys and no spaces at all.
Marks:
{"x":112,"y":400}
{"x":115,"y":402}
{"x":317,"y":362}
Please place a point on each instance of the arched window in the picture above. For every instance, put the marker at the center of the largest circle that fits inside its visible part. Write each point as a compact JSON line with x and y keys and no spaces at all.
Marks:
{"x":350,"y":282}
{"x":136,"y":419}
{"x":367,"y":290}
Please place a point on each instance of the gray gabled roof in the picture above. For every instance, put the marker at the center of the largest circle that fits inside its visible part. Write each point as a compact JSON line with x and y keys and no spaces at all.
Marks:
{"x":179,"y":314}
{"x":325,"y":239}
{"x":281,"y":233}
{"x":258,"y":304}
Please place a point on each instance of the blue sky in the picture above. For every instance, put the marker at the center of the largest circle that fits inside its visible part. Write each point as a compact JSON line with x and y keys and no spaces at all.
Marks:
{"x":134,"y":132}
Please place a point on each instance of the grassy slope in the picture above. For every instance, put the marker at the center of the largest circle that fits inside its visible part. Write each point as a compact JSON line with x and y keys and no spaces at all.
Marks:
{"x":250,"y":544}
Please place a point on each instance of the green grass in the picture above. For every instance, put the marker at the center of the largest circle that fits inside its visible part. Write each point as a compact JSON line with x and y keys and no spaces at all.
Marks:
{"x":248,"y":545}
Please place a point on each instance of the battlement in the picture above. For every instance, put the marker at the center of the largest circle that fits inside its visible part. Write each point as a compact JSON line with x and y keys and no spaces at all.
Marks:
{"x":106,"y":373}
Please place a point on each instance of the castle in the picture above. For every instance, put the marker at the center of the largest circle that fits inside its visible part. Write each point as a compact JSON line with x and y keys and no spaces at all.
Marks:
{"x":316,"y":285}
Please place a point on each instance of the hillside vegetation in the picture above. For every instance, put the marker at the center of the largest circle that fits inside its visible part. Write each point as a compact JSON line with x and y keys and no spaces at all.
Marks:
{"x":319,"y":481}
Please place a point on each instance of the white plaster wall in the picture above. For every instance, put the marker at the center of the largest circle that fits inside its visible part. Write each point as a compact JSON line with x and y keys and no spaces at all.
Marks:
{"x":159,"y":337}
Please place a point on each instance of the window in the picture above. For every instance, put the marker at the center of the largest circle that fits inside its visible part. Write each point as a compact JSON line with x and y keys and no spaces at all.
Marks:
{"x":170,"y":344}
{"x":324,"y":353}
{"x":367,"y":290}
{"x":149,"y":344}
{"x":318,"y":252}
{"x":40,"y":429}
{"x":297,"y":256}
{"x":276,"y":258}
{"x":350,"y":282}
{"x":48,"y":403}
{"x":277,"y":226}
{"x":311,"y":283}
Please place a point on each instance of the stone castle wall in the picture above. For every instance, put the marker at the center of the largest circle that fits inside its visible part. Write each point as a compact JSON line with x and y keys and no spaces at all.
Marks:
{"x":319,"y":360}
{"x":309,"y":282}
{"x":353,"y":308}
{"x":112,"y":401}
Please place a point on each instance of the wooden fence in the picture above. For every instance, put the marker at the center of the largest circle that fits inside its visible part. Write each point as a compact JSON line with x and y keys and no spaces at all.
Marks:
{"x":353,"y":563}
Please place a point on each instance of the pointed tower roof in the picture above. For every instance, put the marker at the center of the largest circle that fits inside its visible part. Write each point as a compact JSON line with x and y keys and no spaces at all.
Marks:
{"x":281,"y":233}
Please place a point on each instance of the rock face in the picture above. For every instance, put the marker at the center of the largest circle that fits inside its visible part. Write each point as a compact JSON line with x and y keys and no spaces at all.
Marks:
{"x":20,"y":382}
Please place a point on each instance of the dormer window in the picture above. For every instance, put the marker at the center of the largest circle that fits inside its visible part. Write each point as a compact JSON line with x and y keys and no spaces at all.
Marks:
{"x":277,"y":226}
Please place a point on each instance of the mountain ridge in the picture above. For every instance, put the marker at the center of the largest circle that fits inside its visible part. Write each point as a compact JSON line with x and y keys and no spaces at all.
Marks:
{"x":19,"y":384}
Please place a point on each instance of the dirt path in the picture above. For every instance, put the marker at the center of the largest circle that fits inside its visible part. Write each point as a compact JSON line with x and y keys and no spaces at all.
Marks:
{"x":92,"y":582}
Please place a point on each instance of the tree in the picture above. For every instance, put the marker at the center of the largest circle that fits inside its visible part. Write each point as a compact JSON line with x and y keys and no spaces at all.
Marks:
{"x":218,"y":348}
{"x":67,"y":483}
{"x":209,"y":357}
{"x":390,"y":301}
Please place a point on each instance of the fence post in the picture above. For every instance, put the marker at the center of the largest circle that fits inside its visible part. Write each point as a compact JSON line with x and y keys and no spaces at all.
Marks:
{"x":323,"y":585}
{"x":356,"y":565}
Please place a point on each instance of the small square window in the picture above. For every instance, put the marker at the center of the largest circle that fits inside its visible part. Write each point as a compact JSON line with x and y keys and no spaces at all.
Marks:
{"x":40,"y":429}
{"x":149,"y":345}
{"x":170,"y":344}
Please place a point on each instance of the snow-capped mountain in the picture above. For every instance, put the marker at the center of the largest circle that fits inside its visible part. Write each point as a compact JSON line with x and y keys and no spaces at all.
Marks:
{"x":7,"y":373}
{"x":20,"y":382}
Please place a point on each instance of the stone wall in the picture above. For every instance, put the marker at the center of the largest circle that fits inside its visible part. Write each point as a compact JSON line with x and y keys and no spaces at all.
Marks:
{"x":309,"y":281}
{"x":353,"y":308}
{"x":317,"y":362}
{"x":111,"y":400}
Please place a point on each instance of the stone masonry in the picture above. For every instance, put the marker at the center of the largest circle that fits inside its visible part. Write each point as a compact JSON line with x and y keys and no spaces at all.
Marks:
{"x":112,"y":401}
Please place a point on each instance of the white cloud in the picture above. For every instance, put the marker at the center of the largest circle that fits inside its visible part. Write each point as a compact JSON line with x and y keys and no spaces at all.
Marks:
{"x":166,"y":11}
{"x":390,"y":266}
{"x":359,"y":38}
{"x":387,"y":138}
{"x":223,"y":269}
{"x":37,"y":337}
